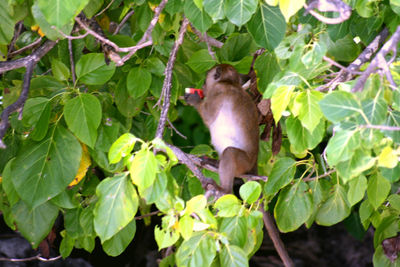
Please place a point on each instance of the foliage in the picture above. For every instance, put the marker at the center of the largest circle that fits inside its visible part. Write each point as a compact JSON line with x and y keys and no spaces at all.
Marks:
{"x":332,"y":161}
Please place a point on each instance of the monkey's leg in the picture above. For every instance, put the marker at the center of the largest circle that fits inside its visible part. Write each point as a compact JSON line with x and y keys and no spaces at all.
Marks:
{"x":233,"y":162}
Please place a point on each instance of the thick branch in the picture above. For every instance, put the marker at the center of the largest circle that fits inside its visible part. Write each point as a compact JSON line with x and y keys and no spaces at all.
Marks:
{"x":23,"y":62}
{"x":205,"y":38}
{"x":365,"y":56}
{"x":274,"y":235}
{"x":29,"y":62}
{"x":166,"y":90}
{"x":379,"y":61}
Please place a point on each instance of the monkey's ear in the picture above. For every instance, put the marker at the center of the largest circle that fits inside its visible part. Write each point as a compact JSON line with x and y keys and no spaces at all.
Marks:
{"x":217,"y":73}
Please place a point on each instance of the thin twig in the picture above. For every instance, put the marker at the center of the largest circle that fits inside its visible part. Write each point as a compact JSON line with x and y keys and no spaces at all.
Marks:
{"x":381,"y":127}
{"x":123,"y":21}
{"x":166,"y":89}
{"x":205,"y":38}
{"x":107,"y":7}
{"x":319,"y":176}
{"x":146,"y":38}
{"x":23,"y":49}
{"x":329,"y":6}
{"x":334,"y":63}
{"x":176,"y":130}
{"x":37,"y":257}
{"x":71,"y":61}
{"x":18,"y":28}
{"x":379,"y":60}
{"x":276,"y":240}
{"x":147,"y":215}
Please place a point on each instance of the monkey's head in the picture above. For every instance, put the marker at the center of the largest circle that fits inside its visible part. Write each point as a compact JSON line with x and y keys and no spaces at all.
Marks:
{"x":222,"y":73}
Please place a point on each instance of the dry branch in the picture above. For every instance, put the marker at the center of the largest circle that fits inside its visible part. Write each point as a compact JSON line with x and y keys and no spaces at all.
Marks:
{"x":379,"y":62}
{"x":347,"y":74}
{"x":329,"y":6}
{"x":29,"y":62}
{"x":167,"y":84}
{"x":274,"y":235}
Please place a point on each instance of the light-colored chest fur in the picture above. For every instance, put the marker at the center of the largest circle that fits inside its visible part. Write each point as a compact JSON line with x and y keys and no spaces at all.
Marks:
{"x":225,"y":130}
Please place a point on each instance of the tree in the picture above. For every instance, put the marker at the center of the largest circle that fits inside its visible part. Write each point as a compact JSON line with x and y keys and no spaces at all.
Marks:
{"x":93,"y":126}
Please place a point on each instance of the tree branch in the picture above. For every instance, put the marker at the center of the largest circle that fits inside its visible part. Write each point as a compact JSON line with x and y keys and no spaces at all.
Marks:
{"x":146,"y":39}
{"x":329,"y":6}
{"x":71,"y":61}
{"x":37,"y":257}
{"x":276,"y":240}
{"x":365,"y":56}
{"x":166,"y":90}
{"x":29,"y":62}
{"x":379,"y":61}
{"x":23,"y":49}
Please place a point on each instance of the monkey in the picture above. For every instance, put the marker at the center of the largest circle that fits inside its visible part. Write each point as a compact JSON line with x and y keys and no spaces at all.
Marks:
{"x":232,"y":118}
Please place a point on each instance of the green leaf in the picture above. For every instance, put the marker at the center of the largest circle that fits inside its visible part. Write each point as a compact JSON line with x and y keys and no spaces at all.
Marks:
{"x":198,"y":17}
{"x":66,"y":246}
{"x":83,"y":116}
{"x":233,"y":256}
{"x":315,"y":55}
{"x":46,"y":27}
{"x":375,"y":109}
{"x":92,"y":69}
{"x":59,"y":70}
{"x":118,"y":243}
{"x":237,"y":47}
{"x":214,"y":8}
{"x":116,"y":206}
{"x":360,"y":161}
{"x":196,"y":204}
{"x":267,"y":26}
{"x":240,"y":12}
{"x":300,"y":138}
{"x":121,"y":147}
{"x":342,"y":145}
{"x":34,"y":223}
{"x":93,"y":7}
{"x":294,"y":207}
{"x":282,"y":174}
{"x":335,"y":209}
{"x":7,"y":184}
{"x":37,"y":114}
{"x":309,"y":113}
{"x":201,"y":61}
{"x":59,"y":13}
{"x":280,"y":100}
{"x":199,"y":250}
{"x":357,"y":188}
{"x":127,"y":105}
{"x":290,"y":7}
{"x":378,"y":189}
{"x":235,"y":229}
{"x":43,"y":169}
{"x":138,"y":81}
{"x":186,"y":224}
{"x":7,"y":23}
{"x":250,"y":191}
{"x":228,"y":206}
{"x":143,"y":169}
{"x":338,"y":105}
{"x":266,"y":67}
{"x":344,"y":49}
{"x":395,"y":5}
{"x":165,"y":238}
{"x":394,"y":201}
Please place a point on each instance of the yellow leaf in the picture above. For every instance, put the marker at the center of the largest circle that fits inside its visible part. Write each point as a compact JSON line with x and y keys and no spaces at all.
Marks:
{"x":37,"y":29}
{"x":83,"y":167}
{"x":34,"y":27}
{"x":40,"y":32}
{"x":290,"y":7}
{"x":1,"y":179}
{"x":271,"y":2}
{"x":388,"y":158}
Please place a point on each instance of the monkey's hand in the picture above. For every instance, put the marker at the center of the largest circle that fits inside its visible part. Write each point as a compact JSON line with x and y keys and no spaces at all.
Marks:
{"x":193,"y":99}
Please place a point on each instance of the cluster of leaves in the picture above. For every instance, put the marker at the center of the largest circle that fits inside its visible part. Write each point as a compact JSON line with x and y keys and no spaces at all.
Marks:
{"x":105,"y":120}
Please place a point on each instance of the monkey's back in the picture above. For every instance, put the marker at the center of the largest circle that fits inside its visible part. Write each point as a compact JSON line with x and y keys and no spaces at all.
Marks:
{"x":236,"y":120}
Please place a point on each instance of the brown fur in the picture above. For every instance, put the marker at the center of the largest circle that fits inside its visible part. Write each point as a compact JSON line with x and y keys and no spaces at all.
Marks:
{"x":231,"y":115}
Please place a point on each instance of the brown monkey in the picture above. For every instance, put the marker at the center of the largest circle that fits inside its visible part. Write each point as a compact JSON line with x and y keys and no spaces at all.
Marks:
{"x":231,"y":115}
